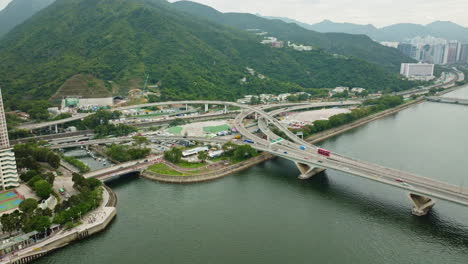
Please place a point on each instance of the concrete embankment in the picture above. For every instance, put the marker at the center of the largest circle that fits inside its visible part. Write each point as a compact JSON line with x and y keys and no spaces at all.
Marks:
{"x":336,"y":131}
{"x":210,"y":175}
{"x":93,"y":222}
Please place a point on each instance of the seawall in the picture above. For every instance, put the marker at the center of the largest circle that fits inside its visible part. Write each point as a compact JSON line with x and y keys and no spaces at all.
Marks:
{"x":107,"y":212}
{"x":210,"y":175}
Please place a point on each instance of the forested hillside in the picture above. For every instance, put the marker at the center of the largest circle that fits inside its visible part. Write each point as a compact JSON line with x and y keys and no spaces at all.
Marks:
{"x":359,"y":46}
{"x":123,"y":40}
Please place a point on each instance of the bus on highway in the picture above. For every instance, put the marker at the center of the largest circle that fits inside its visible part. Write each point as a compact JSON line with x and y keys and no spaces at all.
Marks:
{"x":323,"y":152}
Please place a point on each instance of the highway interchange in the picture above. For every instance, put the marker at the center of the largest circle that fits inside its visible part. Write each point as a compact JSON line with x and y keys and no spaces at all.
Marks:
{"x":305,"y":154}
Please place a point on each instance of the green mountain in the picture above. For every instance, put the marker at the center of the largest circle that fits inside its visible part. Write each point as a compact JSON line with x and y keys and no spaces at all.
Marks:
{"x":17,"y":11}
{"x":123,"y":40}
{"x":440,"y":29}
{"x":359,"y":46}
{"x":398,"y":32}
{"x":330,"y":26}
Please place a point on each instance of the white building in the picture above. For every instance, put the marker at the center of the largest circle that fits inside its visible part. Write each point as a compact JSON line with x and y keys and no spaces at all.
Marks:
{"x":357,"y":90}
{"x":216,"y":153}
{"x":193,"y":151}
{"x":8,"y":172}
{"x":269,"y":40}
{"x":283,"y":97}
{"x":83,"y":102}
{"x":417,"y":71}
{"x":340,"y":89}
{"x":390,"y":44}
{"x":300,"y":47}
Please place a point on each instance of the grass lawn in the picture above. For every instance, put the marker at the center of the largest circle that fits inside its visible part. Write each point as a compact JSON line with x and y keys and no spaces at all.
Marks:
{"x":219,"y":159}
{"x":175,"y":130}
{"x":190,"y":165}
{"x":162,"y":168}
{"x":216,"y":129}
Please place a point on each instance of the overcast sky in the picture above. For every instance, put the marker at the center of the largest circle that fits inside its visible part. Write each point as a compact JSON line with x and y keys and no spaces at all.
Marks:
{"x":377,"y":12}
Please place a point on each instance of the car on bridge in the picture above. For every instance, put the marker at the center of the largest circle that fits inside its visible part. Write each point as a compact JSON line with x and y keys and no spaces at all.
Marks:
{"x":399,"y":180}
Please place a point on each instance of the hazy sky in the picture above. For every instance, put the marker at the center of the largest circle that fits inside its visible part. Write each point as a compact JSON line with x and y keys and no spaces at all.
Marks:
{"x":377,"y":12}
{"x":3,"y":3}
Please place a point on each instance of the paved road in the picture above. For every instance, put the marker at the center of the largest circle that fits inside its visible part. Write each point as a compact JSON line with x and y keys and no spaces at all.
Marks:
{"x":290,"y":150}
{"x":81,"y":116}
{"x":448,"y":100}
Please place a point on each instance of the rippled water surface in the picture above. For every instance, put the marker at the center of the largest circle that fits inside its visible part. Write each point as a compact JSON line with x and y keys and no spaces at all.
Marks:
{"x":267,"y":215}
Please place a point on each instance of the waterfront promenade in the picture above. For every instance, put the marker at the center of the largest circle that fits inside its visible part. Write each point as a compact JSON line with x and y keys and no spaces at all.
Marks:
{"x":93,"y":222}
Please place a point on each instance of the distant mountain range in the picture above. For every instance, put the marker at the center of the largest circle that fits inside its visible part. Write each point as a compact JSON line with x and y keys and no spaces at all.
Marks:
{"x":397,"y":32}
{"x":17,"y":11}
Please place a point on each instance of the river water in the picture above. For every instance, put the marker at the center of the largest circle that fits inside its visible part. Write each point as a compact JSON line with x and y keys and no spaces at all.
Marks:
{"x":266,"y":215}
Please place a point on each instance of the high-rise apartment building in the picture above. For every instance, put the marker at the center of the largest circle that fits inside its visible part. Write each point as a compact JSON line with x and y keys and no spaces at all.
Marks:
{"x":438,"y":53}
{"x":464,"y":53}
{"x":8,"y":171}
{"x":407,"y":49}
{"x":452,"y":52}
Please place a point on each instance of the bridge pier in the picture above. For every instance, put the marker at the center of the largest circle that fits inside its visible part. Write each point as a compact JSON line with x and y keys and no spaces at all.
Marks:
{"x":422,"y":204}
{"x":225,"y":109}
{"x":206,"y":107}
{"x":307,"y":171}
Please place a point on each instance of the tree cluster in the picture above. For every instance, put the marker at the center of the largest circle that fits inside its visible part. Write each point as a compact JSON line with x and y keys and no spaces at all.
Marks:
{"x":41,"y":183}
{"x":177,"y":122}
{"x":99,"y":122}
{"x":238,"y":153}
{"x":124,"y":153}
{"x":78,"y":205}
{"x":36,"y":109}
{"x":371,"y":106}
{"x":83,"y":168}
{"x":28,"y":218}
{"x":173,"y":155}
{"x":298,"y":98}
{"x":114,"y":130}
{"x":29,"y":155}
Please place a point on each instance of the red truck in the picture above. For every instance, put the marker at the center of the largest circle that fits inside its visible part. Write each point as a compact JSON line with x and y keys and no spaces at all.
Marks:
{"x":323,"y":152}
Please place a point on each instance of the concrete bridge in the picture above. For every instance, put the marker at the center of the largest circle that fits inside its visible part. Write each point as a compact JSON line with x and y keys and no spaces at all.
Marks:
{"x":117,"y":171}
{"x":421,"y":190}
{"x":54,"y":124}
{"x":309,"y":163}
{"x":447,"y":100}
